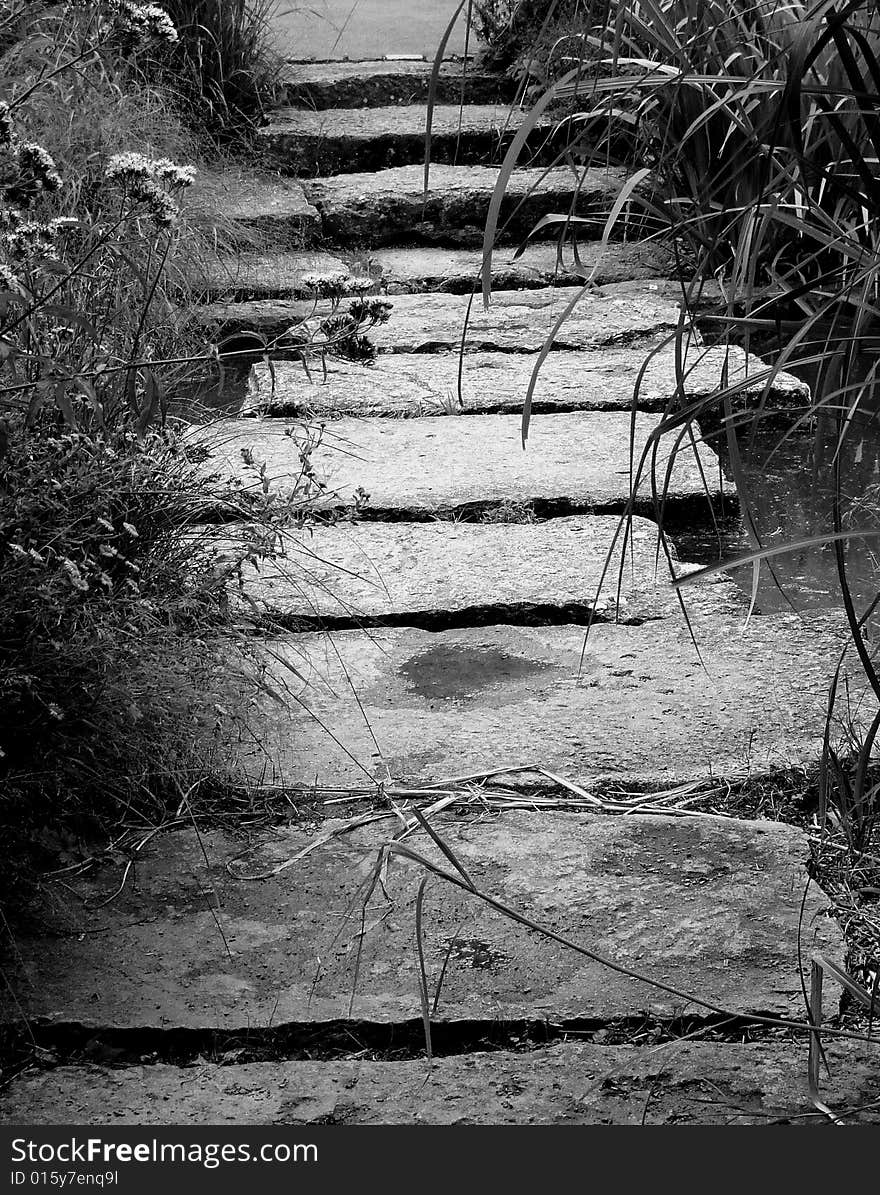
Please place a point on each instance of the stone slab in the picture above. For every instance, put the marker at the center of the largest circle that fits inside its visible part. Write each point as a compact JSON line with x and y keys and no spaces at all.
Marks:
{"x":271,"y":206}
{"x":416,"y":268}
{"x":516,"y":321}
{"x":678,"y":1083}
{"x":388,"y":206}
{"x":347,"y":140}
{"x":320,"y":85}
{"x":251,"y":275}
{"x":412,"y":384}
{"x":444,"y":464}
{"x":656,"y":704}
{"x":432,"y":573}
{"x":707,"y":906}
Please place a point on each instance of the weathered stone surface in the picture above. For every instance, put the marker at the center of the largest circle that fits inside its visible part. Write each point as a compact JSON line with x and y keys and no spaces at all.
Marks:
{"x":261,"y":275}
{"x":521,"y":321}
{"x":637,"y":705}
{"x":320,"y":85}
{"x":412,"y":384}
{"x":707,"y":906}
{"x":346,"y":140}
{"x":443,"y":464}
{"x":429,"y":268}
{"x":435,"y":572}
{"x":517,"y":321}
{"x":678,"y":1083}
{"x":268,"y":204}
{"x":389,"y":206}
{"x":417,"y":268}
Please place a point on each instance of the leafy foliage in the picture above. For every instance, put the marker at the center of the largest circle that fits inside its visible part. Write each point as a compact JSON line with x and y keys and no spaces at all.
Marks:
{"x":529,"y":36}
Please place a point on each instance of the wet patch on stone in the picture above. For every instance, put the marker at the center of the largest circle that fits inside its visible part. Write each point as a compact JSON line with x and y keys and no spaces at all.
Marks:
{"x":643,"y":705}
{"x":455,"y":672}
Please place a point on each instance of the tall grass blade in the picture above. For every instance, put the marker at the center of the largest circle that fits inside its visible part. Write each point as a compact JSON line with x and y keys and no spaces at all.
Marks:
{"x":423,"y":974}
{"x":507,"y":168}
{"x":432,"y":86}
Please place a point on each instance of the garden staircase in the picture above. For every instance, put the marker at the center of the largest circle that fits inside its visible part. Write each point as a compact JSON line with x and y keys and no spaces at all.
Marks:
{"x":434,"y":650}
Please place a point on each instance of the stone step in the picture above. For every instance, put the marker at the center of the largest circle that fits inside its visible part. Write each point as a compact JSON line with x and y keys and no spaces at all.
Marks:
{"x":388,"y":207}
{"x":276,"y":209}
{"x":443,"y":465}
{"x":709,"y":906}
{"x":456,"y":574}
{"x":516,"y":321}
{"x":417,"y":384}
{"x":376,"y":84}
{"x":643,"y":707}
{"x":456,"y":271}
{"x":347,"y":140}
{"x":416,"y":268}
{"x":570,"y":1083}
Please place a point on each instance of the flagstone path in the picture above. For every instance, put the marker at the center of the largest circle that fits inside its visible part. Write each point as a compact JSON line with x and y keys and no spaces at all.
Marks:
{"x":431,"y":645}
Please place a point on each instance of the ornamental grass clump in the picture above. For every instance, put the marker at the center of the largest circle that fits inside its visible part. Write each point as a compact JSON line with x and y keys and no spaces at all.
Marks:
{"x":223,"y":61}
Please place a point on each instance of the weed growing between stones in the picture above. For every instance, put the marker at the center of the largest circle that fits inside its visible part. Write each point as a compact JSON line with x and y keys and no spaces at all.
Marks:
{"x":510,"y":511}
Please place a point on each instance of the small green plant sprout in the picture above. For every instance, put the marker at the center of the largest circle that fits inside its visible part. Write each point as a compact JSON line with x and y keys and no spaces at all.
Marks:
{"x":449,"y":404}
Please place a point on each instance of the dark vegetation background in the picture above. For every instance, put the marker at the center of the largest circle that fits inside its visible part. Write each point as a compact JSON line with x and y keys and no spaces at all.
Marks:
{"x":120,"y":688}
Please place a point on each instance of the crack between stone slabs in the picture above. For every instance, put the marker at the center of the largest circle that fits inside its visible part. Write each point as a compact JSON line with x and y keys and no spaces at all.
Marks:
{"x":49,"y":1045}
{"x":680,"y":511}
{"x":425,"y":285}
{"x":294,"y":410}
{"x":525,"y":614}
{"x":690,"y":513}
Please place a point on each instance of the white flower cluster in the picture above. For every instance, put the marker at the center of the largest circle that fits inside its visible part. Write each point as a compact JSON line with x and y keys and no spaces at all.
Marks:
{"x":132,"y":168}
{"x":8,"y":280}
{"x":335,"y":286}
{"x":7,"y":125}
{"x":129,"y":23}
{"x":38,"y":164}
{"x":151,"y":181}
{"x":25,"y":238}
{"x":26,"y":169}
{"x":21,"y":238}
{"x":138,"y":23}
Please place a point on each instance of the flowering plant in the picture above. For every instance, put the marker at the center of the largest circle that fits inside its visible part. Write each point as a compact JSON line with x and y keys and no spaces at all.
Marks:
{"x":81,"y":296}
